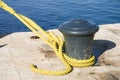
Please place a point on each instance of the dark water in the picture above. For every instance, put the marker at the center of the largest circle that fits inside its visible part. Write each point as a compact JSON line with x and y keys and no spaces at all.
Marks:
{"x":50,"y":13}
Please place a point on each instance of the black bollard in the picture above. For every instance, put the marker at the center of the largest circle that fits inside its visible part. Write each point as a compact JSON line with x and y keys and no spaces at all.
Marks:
{"x":78,"y":35}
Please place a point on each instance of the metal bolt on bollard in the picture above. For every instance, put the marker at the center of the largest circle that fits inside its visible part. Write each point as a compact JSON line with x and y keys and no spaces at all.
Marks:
{"x":78,"y":35}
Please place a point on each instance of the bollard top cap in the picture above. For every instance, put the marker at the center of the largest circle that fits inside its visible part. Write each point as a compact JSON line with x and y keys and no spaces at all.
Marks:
{"x":78,"y":27}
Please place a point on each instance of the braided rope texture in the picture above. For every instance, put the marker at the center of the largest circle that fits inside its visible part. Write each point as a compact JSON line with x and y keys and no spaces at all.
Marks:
{"x":55,"y":42}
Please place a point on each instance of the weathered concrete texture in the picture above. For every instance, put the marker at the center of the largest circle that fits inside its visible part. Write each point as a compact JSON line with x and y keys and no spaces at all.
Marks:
{"x":18,"y":51}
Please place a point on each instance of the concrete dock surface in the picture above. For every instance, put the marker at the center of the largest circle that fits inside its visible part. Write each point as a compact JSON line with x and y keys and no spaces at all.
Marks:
{"x":18,"y":50}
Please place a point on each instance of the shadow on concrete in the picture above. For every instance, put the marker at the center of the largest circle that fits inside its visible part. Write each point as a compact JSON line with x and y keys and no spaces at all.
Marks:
{"x":100,"y":46}
{"x":2,"y":45}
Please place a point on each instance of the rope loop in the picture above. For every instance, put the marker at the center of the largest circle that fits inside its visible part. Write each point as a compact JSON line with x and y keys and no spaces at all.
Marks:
{"x":55,"y":42}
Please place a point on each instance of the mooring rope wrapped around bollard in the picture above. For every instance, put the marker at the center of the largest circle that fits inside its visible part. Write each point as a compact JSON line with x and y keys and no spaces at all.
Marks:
{"x":55,"y":42}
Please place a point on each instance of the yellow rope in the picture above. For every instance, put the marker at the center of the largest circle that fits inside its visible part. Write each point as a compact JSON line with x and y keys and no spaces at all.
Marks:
{"x":55,"y":42}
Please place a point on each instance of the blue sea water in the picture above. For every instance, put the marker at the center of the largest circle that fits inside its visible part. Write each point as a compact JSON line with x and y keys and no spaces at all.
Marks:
{"x":51,"y":13}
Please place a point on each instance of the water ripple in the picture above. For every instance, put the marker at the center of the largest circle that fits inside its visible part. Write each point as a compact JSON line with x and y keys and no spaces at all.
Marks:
{"x":50,"y":13}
